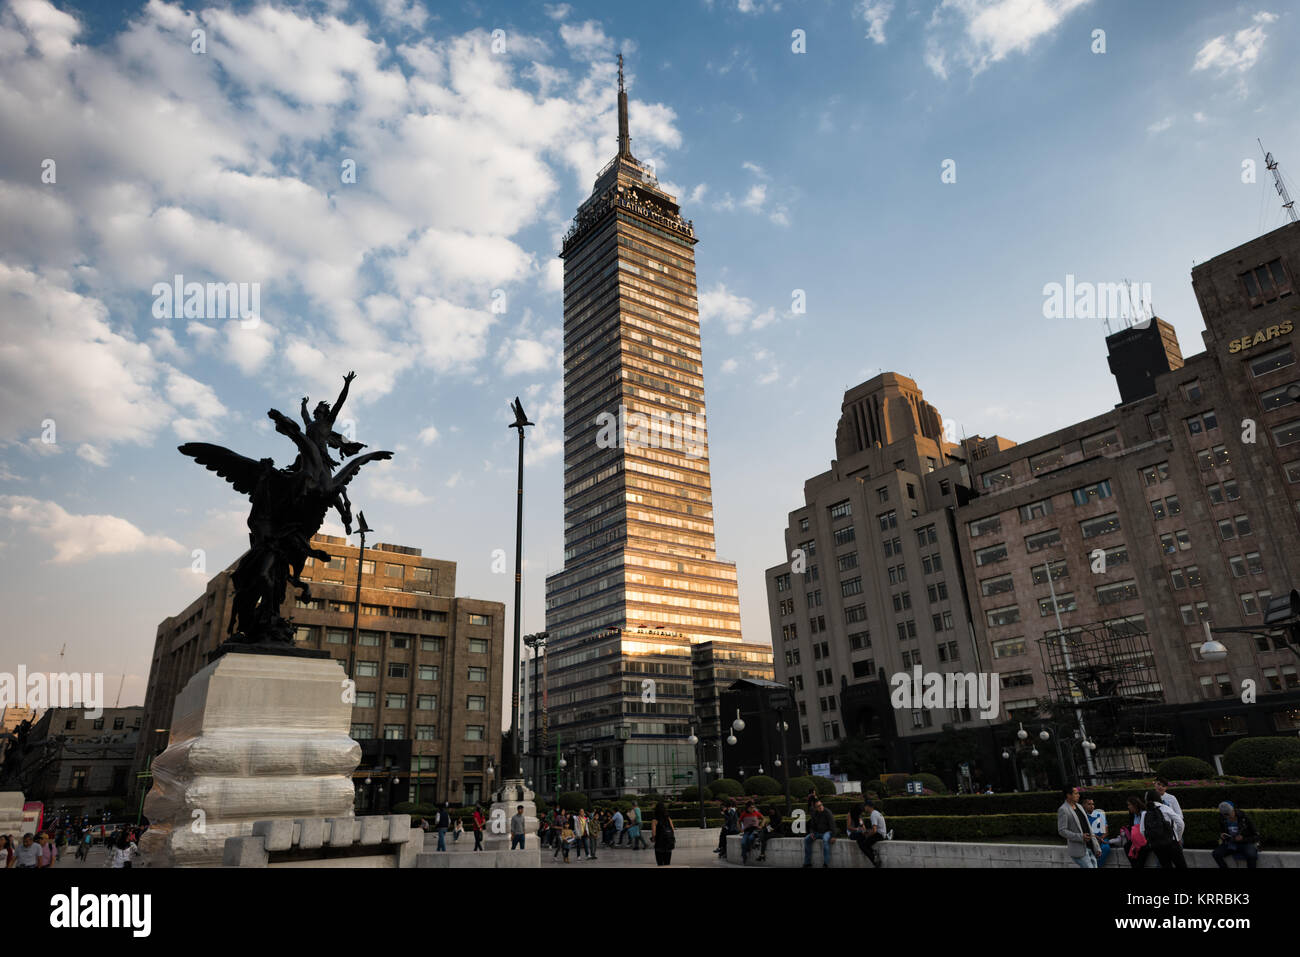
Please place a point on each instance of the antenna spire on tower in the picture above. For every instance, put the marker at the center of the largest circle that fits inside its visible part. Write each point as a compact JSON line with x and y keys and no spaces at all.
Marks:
{"x":624,"y":139}
{"x":1271,"y":165}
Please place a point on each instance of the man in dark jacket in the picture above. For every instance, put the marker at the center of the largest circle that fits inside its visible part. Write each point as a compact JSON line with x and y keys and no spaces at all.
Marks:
{"x":1237,"y":835}
{"x":820,"y":825}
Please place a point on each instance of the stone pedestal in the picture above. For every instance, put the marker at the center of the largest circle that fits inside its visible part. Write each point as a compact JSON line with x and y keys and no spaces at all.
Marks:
{"x":507,"y":799}
{"x":254,"y":737}
{"x":11,"y":814}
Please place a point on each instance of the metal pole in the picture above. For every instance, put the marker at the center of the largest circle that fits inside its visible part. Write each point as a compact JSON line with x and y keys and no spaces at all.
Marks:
{"x":699,"y":780}
{"x":356,"y":605}
{"x":785,"y":761}
{"x":1060,"y":630}
{"x":519,"y":564}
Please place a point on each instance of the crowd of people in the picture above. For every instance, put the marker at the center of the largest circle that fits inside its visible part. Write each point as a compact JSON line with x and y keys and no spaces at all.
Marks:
{"x":43,"y":848}
{"x":577,"y":832}
{"x":1155,"y":827}
{"x":756,"y":826}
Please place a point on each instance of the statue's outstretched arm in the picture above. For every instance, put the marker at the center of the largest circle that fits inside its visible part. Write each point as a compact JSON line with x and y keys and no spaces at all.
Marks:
{"x":343,"y":396}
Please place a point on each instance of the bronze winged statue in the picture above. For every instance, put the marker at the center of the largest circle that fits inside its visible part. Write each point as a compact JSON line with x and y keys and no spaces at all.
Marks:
{"x":288,"y":507}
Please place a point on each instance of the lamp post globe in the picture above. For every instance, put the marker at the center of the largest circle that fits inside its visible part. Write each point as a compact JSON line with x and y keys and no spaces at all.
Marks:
{"x":1213,"y":650}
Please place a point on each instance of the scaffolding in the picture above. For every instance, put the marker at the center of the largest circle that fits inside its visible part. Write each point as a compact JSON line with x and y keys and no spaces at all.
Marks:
{"x":1105,"y":673}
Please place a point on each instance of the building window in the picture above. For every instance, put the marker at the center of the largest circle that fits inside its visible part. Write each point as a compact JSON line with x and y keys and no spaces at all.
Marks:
{"x":1154,"y":474}
{"x":336,"y":636}
{"x":475,"y":732}
{"x":1036,"y":543}
{"x":841,"y":510}
{"x":843,"y":536}
{"x":478,"y":674}
{"x":782,"y":582}
{"x":1091,"y":493}
{"x":430,"y":643}
{"x":887,"y":520}
{"x":480,"y":619}
{"x":399,"y":669}
{"x":992,"y":554}
{"x":926,"y":535}
{"x":1036,"y":510}
{"x":1288,"y":434}
{"x":1266,"y":283}
{"x":337,"y":563}
{"x":1203,"y":422}
{"x":855,"y":613}
{"x":476,"y":702}
{"x":421,"y":574}
{"x":1007,"y":615}
{"x":1101,"y":525}
{"x":1058,"y":569}
{"x":394,"y":732}
{"x":996,"y":586}
{"x":394,"y":699}
{"x":990,"y":526}
{"x":851,"y":586}
{"x":478,"y":646}
{"x":362,"y":731}
{"x":367,"y":566}
{"x":1117,"y":592}
{"x":400,"y":641}
{"x":847,"y":561}
{"x":1064,"y":603}
{"x":1009,"y":647}
{"x":367,"y":699}
{"x":1156,"y":425}
{"x":1099,"y":443}
{"x":882,"y":494}
{"x":367,"y":669}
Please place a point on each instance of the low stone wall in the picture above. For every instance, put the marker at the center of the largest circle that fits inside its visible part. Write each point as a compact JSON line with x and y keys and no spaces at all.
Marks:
{"x":788,"y":852}
{"x":379,"y":841}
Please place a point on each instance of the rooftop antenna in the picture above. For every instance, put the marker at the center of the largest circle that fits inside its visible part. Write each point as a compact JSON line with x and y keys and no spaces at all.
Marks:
{"x":624,"y":139}
{"x":118,"y":700}
{"x":1271,"y":164}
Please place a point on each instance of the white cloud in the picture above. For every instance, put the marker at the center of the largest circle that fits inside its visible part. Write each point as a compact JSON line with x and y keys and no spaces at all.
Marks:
{"x":587,"y":40}
{"x":428,"y":435}
{"x":1159,"y":126}
{"x":728,"y":366}
{"x":876,"y":13}
{"x":1237,"y":53}
{"x":77,"y":538}
{"x":557,"y":11}
{"x":383,"y":485}
{"x":520,"y":356}
{"x":977,"y":33}
{"x":735,"y":312}
{"x":92,"y":455}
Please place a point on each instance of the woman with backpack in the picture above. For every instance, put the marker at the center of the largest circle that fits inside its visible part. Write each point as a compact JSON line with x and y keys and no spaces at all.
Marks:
{"x":662,"y":836}
{"x":1157,"y":826}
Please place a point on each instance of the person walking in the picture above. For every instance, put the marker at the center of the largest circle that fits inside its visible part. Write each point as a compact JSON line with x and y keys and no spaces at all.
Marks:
{"x":635,"y":839}
{"x":6,"y":851}
{"x":478,"y":828}
{"x":618,"y":829}
{"x":518,"y":829}
{"x":566,"y":836}
{"x":593,"y":827}
{"x":49,"y":854}
{"x":1072,"y":824}
{"x":662,"y":836}
{"x":1166,"y":797}
{"x":124,"y":851}
{"x":444,"y":822}
{"x":580,"y":833}
{"x":820,"y":825}
{"x":28,"y":853}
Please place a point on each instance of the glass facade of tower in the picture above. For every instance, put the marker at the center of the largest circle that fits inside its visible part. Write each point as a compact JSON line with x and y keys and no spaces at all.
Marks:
{"x":641,"y":581}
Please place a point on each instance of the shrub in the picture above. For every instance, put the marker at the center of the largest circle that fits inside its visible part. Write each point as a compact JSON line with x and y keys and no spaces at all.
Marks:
{"x":799,"y":788}
{"x":1258,"y":757}
{"x":931,"y":782}
{"x":1289,"y":768}
{"x":895,"y":783}
{"x":825,"y":786}
{"x":726,"y":787}
{"x":691,"y":793}
{"x":1183,"y":768}
{"x":761,"y":784}
{"x":573,"y":801}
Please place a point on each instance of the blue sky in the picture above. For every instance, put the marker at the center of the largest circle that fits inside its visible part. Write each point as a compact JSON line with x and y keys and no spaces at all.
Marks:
{"x":817,"y":171}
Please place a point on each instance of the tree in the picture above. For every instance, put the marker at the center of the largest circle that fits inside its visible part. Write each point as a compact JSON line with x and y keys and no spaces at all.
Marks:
{"x":857,"y":758}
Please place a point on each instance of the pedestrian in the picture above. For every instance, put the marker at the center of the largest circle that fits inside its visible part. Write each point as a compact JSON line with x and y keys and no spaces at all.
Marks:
{"x":48,"y":852}
{"x":458,"y":828}
{"x":478,"y":828}
{"x":1167,"y":798}
{"x":593,"y":825}
{"x":567,"y":838}
{"x":820,"y":825}
{"x":730,"y":825}
{"x":83,"y":846}
{"x":558,"y":827}
{"x":1100,"y":828}
{"x":1237,"y":836}
{"x":750,"y":822}
{"x":635,"y":839}
{"x":444,"y":822}
{"x":28,"y":853}
{"x":1160,"y":826}
{"x":618,"y":828}
{"x":124,"y":851}
{"x":1072,"y":824}
{"x":1131,"y":836}
{"x":662,"y":836}
{"x":518,"y":829}
{"x":6,"y":851}
{"x":580,"y":833}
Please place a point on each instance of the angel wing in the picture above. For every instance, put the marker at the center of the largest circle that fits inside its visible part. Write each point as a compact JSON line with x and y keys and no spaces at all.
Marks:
{"x":239,"y":470}
{"x":346,"y":474}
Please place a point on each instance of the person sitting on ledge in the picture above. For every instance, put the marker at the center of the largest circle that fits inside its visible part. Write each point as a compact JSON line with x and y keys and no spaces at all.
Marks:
{"x":1237,"y":835}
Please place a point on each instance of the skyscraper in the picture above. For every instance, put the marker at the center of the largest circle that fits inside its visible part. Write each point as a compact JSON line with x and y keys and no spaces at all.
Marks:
{"x":641,"y":580}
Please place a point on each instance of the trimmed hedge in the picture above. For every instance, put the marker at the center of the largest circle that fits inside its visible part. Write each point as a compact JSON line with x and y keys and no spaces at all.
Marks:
{"x":726,"y":787}
{"x":574,"y":801}
{"x":931,"y":782}
{"x":1250,"y":796}
{"x":1289,"y":768}
{"x":1183,"y":768}
{"x":762,"y":784}
{"x":1258,"y":757}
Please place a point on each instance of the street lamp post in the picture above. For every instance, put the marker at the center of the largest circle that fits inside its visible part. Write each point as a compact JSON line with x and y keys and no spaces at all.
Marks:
{"x":516,"y":758}
{"x":362,"y":528}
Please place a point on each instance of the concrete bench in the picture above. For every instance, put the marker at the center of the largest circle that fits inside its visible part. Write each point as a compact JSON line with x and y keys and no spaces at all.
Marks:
{"x":528,"y":857}
{"x":788,"y":852}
